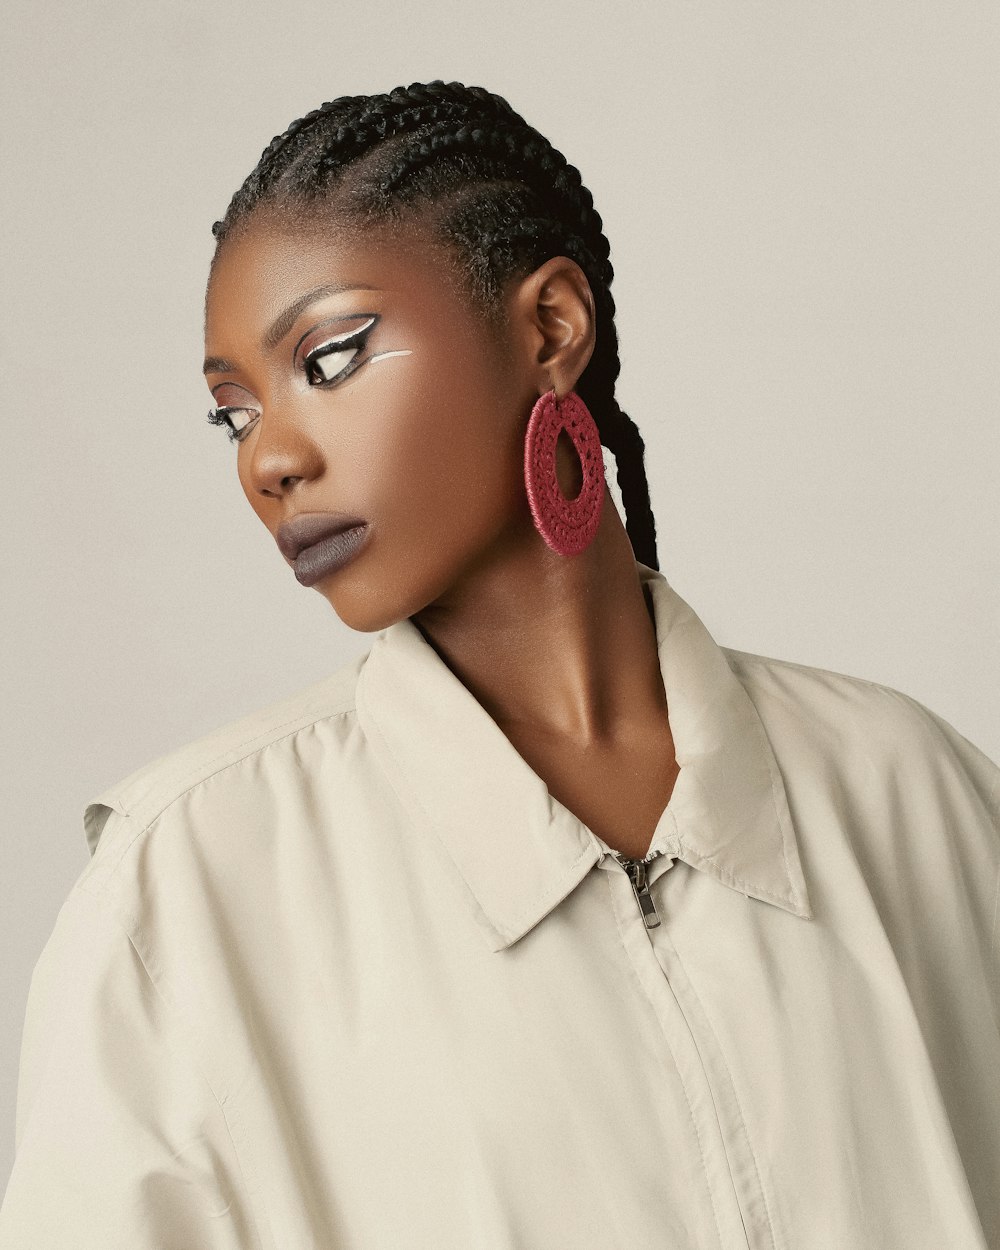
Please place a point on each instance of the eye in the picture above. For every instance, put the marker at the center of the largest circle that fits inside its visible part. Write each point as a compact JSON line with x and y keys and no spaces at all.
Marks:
{"x":326,"y":363}
{"x":334,"y":357}
{"x":236,"y":420}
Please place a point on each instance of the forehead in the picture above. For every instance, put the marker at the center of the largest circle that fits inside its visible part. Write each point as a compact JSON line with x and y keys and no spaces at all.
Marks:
{"x":264,"y":267}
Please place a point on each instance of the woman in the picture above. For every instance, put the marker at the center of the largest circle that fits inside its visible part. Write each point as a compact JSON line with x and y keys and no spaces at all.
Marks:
{"x":548,"y":922}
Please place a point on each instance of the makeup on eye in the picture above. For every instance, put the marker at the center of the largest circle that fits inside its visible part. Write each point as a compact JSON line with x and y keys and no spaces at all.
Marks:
{"x":324,"y":358}
{"x":228,"y":415}
{"x":328,"y":360}
{"x":332,"y":357}
{"x":224,"y":414}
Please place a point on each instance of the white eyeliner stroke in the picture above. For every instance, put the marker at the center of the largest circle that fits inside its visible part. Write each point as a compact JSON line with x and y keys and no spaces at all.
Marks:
{"x":383,"y":355}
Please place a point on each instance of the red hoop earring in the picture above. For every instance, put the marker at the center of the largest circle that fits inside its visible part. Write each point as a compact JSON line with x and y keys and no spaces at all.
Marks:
{"x":567,"y":525}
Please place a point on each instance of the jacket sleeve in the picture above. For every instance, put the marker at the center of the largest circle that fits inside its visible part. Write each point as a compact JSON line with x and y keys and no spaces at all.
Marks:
{"x":119,"y":1140}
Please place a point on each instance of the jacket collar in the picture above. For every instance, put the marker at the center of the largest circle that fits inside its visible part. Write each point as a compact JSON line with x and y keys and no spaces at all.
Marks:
{"x":516,"y":847}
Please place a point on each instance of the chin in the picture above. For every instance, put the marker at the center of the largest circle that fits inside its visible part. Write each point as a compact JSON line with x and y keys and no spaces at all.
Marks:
{"x":359,"y":617}
{"x":372,"y":592}
{"x":361,"y":606}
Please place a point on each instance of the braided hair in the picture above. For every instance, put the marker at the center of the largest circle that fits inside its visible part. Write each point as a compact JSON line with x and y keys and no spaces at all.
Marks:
{"x":490,"y":186}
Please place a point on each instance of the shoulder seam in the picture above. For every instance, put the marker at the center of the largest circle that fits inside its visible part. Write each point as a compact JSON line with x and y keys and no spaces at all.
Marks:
{"x":814,"y":668}
{"x":177,"y":790}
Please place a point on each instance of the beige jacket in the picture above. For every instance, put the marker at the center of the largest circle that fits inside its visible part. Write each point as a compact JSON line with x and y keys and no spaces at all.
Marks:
{"x":343,"y":975}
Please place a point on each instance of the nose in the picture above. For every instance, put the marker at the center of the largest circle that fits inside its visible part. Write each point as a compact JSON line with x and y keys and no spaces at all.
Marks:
{"x":281,"y":454}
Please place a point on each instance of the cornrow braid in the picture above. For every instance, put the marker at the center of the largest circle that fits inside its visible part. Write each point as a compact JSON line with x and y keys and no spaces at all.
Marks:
{"x":410,"y":106}
{"x":493,"y":188}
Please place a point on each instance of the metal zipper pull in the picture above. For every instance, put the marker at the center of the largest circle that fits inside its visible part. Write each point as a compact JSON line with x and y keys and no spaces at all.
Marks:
{"x":636,"y":869}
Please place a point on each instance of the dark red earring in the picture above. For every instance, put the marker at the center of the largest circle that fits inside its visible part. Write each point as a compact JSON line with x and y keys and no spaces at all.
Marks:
{"x":567,"y":525}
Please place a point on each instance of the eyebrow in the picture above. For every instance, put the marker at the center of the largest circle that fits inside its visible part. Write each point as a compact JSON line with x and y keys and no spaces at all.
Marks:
{"x":280,"y":326}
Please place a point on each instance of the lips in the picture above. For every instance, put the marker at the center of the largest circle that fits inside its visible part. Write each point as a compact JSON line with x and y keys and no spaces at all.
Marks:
{"x":308,"y":528}
{"x":329,"y":554}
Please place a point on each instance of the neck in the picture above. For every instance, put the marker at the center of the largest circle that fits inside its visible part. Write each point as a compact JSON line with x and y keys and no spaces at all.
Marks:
{"x":560,"y":646}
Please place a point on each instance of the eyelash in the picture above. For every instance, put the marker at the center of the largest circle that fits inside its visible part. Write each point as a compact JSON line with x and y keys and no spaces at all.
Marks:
{"x":329,"y":347}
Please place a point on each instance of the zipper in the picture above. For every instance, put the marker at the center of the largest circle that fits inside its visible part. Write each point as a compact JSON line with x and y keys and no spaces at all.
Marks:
{"x":637,"y":875}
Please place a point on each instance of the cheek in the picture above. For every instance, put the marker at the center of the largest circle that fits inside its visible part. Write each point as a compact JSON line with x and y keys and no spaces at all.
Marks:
{"x":448,"y":443}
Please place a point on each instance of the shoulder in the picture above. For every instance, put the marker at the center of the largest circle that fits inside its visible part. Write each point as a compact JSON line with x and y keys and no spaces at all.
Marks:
{"x":132,"y":803}
{"x":863,"y":725}
{"x":833,"y":695}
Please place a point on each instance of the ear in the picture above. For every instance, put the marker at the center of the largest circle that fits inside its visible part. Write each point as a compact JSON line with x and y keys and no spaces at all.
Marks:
{"x":555,"y":312}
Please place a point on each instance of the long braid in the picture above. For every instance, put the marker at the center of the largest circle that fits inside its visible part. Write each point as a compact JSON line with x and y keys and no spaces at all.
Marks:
{"x":497,"y":190}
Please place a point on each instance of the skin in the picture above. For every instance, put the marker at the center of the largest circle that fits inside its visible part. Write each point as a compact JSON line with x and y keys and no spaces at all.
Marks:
{"x":428,"y":448}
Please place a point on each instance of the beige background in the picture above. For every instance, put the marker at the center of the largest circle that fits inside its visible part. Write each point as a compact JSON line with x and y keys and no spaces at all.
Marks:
{"x":802,"y":201}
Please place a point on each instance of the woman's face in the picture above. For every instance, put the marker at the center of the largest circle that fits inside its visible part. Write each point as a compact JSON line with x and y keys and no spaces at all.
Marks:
{"x":362,"y":382}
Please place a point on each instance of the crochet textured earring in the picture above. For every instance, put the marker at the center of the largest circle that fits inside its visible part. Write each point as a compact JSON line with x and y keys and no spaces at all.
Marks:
{"x":567,"y":525}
